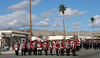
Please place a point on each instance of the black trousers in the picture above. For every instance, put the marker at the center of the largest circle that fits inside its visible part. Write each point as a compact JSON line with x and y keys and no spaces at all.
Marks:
{"x":57,"y":52}
{"x":35,"y":51}
{"x":74,"y":52}
{"x":78,"y":47}
{"x":29,"y":51}
{"x":39,"y":52}
{"x":62,"y":52}
{"x":46,"y":52}
{"x":16,"y":52}
{"x":24,"y":51}
{"x":51,"y":51}
{"x":68,"y":51}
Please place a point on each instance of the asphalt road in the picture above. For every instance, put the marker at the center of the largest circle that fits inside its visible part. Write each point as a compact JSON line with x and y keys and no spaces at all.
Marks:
{"x":80,"y":54}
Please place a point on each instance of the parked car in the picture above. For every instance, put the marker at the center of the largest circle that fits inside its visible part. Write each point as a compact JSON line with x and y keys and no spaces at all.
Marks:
{"x":5,"y":48}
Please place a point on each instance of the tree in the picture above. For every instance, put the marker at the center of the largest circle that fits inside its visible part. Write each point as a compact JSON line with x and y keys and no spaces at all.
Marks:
{"x":40,"y":36}
{"x":92,"y":20}
{"x":62,"y":9}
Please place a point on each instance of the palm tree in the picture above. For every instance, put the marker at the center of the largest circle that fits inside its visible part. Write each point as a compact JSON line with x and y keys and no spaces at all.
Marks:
{"x":92,"y":20}
{"x":62,"y":8}
{"x":30,"y":22}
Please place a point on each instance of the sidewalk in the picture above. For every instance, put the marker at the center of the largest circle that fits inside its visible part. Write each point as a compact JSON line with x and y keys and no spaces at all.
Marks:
{"x":80,"y":53}
{"x":9,"y":52}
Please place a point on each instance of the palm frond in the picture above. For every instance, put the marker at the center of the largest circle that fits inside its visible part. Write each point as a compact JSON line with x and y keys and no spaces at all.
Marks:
{"x":92,"y":19}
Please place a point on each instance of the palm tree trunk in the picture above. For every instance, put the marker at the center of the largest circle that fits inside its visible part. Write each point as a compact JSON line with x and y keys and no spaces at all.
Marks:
{"x":64,"y":27}
{"x":93,"y":31}
{"x":30,"y":22}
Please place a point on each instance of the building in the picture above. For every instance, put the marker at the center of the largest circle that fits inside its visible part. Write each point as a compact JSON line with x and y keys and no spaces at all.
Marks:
{"x":9,"y":37}
{"x":68,"y":37}
{"x":59,"y":37}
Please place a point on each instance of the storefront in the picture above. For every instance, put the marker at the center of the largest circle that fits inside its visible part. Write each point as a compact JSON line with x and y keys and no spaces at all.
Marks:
{"x":9,"y":37}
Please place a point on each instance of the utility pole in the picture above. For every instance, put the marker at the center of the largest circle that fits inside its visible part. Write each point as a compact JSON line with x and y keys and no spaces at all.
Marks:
{"x":30,"y":22}
{"x":78,"y":31}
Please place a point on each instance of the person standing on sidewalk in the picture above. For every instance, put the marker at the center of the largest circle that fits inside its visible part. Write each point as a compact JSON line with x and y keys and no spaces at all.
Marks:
{"x":23,"y":45}
{"x":39,"y":48}
{"x":73,"y":47}
{"x":29,"y":47}
{"x":67,"y":47}
{"x":45,"y":47}
{"x":16,"y":46}
{"x":50,"y":46}
{"x":34,"y":47}
{"x":56,"y":47}
{"x":62,"y":48}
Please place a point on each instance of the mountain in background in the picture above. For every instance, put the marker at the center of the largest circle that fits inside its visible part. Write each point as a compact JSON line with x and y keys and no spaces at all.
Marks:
{"x":37,"y":32}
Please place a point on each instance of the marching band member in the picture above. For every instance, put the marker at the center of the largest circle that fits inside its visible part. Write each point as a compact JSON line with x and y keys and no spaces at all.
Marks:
{"x":23,"y":46}
{"x":34,"y":47}
{"x":56,"y":47}
{"x":59,"y":46}
{"x":16,"y":46}
{"x":67,"y":46}
{"x":99,"y":44}
{"x":73,"y":46}
{"x":78,"y":45}
{"x":50,"y":46}
{"x":45,"y":47}
{"x":62,"y":48}
{"x":39,"y":48}
{"x":29,"y":47}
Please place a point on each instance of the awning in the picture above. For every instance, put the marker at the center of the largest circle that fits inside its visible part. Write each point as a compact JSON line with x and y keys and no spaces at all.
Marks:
{"x":18,"y":35}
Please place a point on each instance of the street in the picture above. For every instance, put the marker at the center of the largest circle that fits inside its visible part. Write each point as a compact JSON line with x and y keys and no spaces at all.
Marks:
{"x":80,"y":54}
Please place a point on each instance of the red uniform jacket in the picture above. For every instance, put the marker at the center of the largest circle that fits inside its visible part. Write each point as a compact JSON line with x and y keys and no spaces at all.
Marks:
{"x":29,"y":45}
{"x":16,"y":46}
{"x":39,"y":46}
{"x":56,"y":46}
{"x":50,"y":45}
{"x":78,"y":43}
{"x":67,"y":45}
{"x":61,"y":46}
{"x":34,"y":45}
{"x":45,"y":46}
{"x":73,"y":45}
{"x":23,"y":45}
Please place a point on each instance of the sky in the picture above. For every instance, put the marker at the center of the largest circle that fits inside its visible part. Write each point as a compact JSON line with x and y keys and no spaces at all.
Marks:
{"x":14,"y":14}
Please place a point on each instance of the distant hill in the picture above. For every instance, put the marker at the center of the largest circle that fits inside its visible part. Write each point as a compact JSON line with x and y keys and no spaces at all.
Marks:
{"x":47,"y":33}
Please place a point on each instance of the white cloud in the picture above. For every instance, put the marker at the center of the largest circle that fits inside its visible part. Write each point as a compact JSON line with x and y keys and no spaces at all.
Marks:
{"x":96,"y":22}
{"x":70,"y":12}
{"x":24,"y":4}
{"x":57,"y":22}
{"x":76,"y":27}
{"x":16,"y":19}
{"x":46,"y":14}
{"x":54,"y":9}
{"x":47,"y":19}
{"x":36,"y":2}
{"x":42,"y":23}
{"x":77,"y":23}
